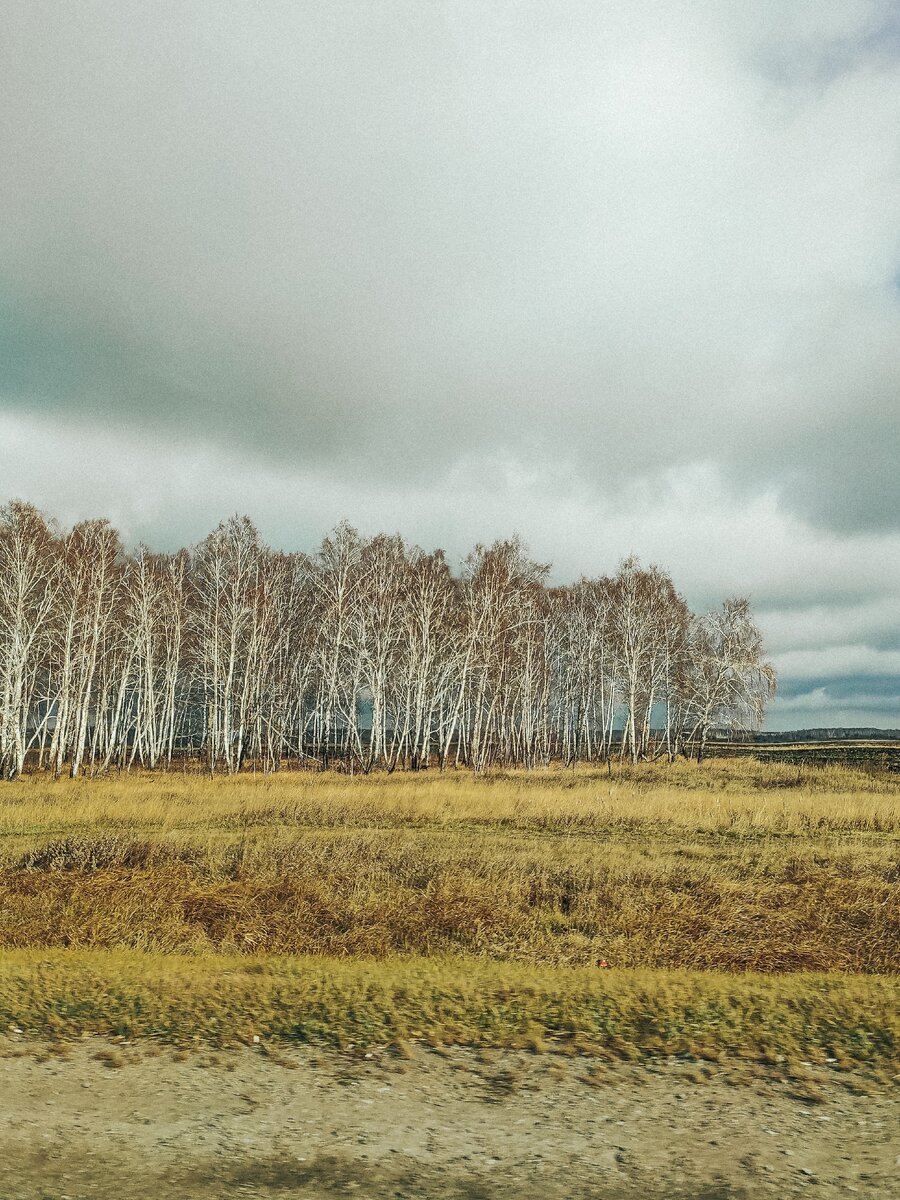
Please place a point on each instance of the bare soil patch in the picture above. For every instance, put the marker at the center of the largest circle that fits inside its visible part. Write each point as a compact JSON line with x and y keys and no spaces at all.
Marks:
{"x":99,"y":1119}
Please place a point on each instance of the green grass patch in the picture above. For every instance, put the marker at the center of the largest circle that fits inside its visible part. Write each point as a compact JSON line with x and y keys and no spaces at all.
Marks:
{"x":630,"y":1014}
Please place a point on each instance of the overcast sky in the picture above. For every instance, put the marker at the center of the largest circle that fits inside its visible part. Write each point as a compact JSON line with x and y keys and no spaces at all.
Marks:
{"x":619,"y":276}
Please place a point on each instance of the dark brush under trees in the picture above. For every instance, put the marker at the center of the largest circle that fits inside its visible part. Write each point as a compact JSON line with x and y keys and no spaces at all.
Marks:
{"x":369,"y":652}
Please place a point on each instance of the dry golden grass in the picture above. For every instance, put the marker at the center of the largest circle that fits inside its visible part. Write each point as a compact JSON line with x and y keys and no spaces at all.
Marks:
{"x":450,"y":908}
{"x":734,"y":865}
{"x":737,"y":794}
{"x":532,"y":902}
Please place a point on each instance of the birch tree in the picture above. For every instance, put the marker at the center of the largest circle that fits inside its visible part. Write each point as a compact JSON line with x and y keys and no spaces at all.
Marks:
{"x":90,"y":580}
{"x":726,"y":681}
{"x":252,"y":655}
{"x":29,"y":590}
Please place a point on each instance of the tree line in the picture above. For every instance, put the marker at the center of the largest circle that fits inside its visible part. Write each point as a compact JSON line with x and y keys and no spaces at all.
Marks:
{"x":369,"y":653}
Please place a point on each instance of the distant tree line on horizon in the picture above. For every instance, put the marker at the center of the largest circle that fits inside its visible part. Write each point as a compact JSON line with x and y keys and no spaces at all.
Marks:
{"x":370,"y":652}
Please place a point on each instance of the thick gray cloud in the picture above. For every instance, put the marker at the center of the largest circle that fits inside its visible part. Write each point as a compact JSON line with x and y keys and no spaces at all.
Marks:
{"x":620,"y":275}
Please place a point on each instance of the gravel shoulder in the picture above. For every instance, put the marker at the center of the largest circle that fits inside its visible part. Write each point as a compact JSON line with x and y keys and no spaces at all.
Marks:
{"x":103,"y":1120}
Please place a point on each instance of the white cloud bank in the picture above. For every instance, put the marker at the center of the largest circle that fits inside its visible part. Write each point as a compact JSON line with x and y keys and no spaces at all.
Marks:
{"x":622,"y":275}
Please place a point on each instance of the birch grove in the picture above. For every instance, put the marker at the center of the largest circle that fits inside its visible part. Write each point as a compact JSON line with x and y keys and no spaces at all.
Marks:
{"x":368,"y":654}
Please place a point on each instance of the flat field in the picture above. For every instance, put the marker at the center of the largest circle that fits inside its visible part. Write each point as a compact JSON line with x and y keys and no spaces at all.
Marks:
{"x":859,"y":753}
{"x":654,"y":981}
{"x":733,"y":907}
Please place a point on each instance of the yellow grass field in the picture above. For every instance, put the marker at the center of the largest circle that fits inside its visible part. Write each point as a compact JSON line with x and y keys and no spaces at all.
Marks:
{"x":739,"y":906}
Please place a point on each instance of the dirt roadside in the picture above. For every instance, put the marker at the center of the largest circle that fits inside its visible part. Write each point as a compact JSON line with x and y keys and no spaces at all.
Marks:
{"x":136,"y":1121}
